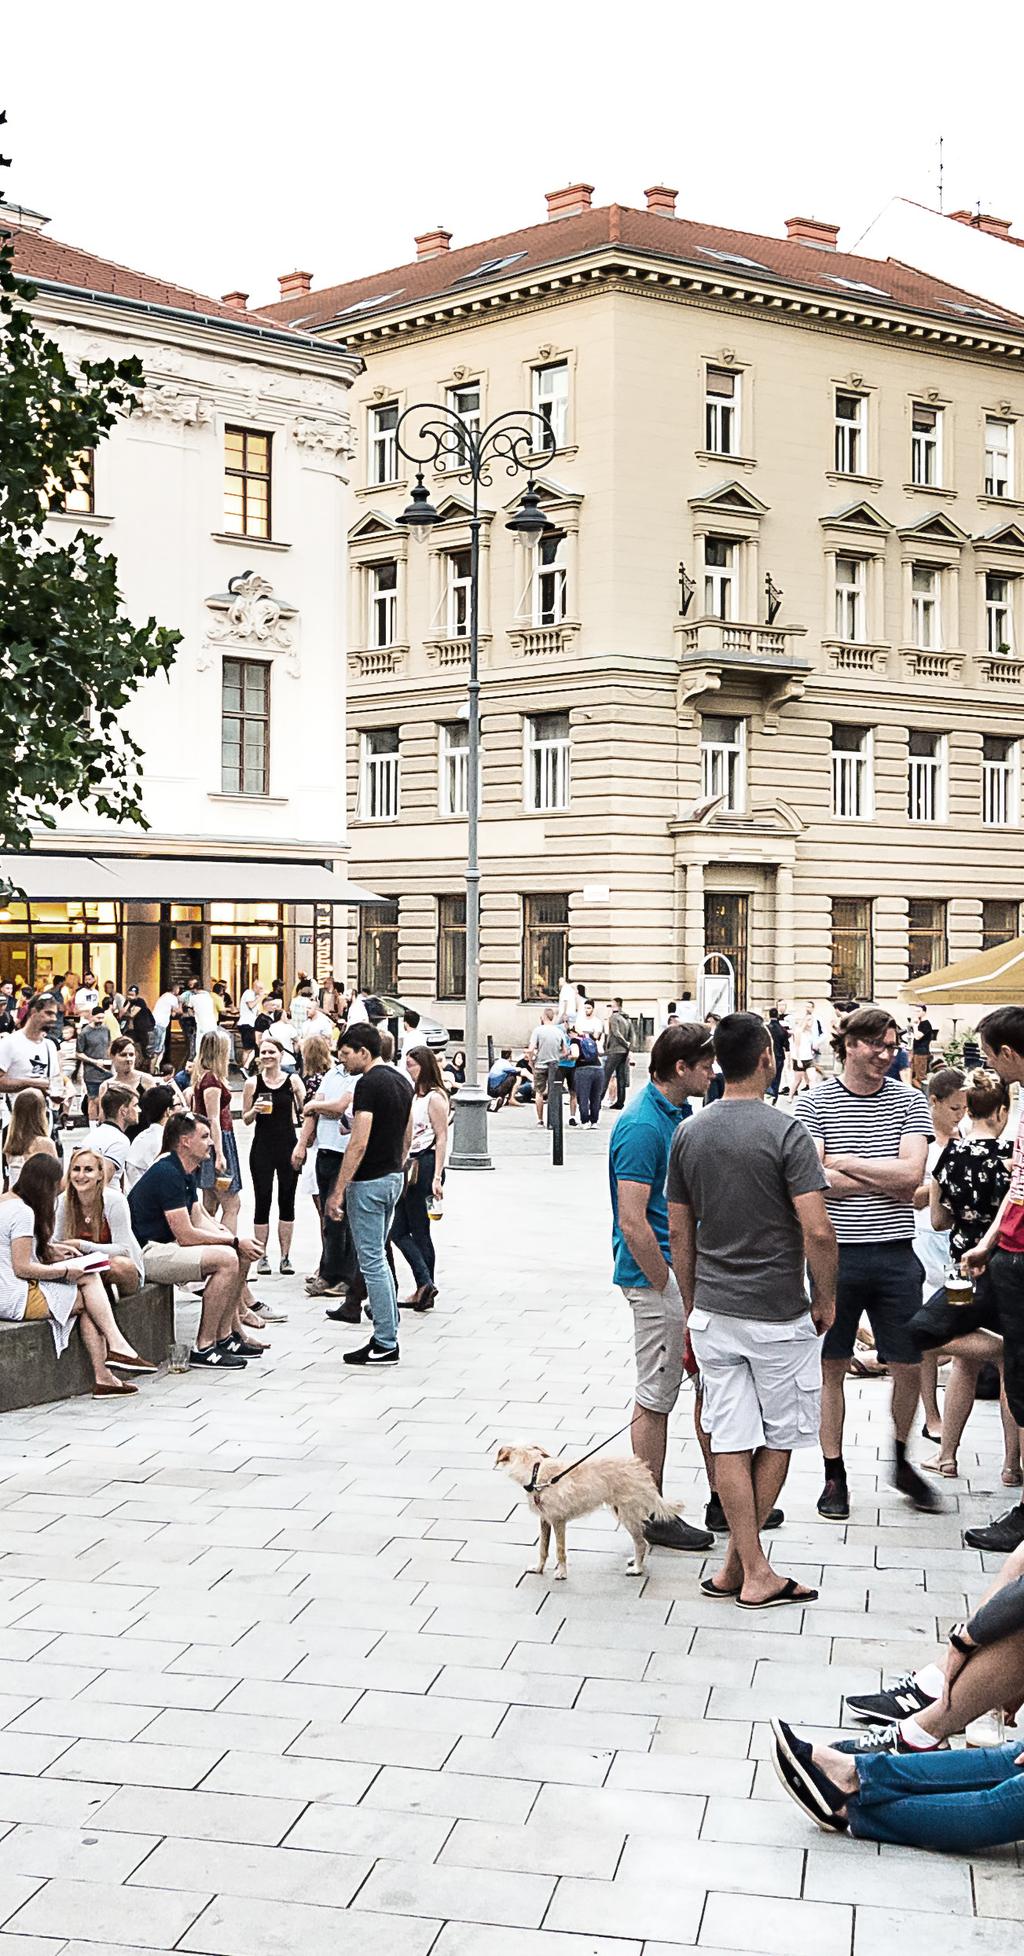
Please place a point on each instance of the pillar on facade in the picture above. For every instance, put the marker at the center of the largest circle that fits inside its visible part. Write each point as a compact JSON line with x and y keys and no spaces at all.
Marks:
{"x":693,"y":927}
{"x":785,"y":963}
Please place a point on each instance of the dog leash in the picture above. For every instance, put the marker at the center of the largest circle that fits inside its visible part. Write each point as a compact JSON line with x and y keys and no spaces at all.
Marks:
{"x":531,"y":1485}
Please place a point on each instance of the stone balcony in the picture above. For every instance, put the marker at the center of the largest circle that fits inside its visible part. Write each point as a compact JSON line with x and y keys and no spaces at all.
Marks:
{"x":542,"y":641}
{"x":711,"y":649}
{"x":370,"y":666}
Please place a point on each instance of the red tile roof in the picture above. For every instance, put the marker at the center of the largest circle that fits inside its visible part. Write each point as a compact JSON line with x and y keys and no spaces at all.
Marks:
{"x":616,"y":225}
{"x":38,"y":256}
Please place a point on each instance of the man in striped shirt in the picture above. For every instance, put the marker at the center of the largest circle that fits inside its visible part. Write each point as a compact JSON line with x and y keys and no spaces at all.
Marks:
{"x":872,"y":1135}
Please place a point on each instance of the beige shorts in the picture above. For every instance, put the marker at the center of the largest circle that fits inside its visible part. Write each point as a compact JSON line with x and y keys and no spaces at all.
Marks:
{"x":172,"y":1263}
{"x":762,"y":1382}
{"x":659,"y":1332}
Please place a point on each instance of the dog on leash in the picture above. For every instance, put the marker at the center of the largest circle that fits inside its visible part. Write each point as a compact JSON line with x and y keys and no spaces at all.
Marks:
{"x":626,"y":1486}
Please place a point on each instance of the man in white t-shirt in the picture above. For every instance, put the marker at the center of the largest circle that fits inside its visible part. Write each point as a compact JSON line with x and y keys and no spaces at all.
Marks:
{"x":87,"y":995}
{"x":249,"y":1006}
{"x":119,"y":1109}
{"x":29,"y":1058}
{"x":164,"y":1011}
{"x":204,"y":1011}
{"x":357,"y":1014}
{"x":319,"y":1023}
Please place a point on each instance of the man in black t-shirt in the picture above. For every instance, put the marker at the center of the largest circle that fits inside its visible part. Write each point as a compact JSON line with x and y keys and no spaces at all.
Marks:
{"x":922,"y":1032}
{"x":181,"y":1244}
{"x":370,"y":1180}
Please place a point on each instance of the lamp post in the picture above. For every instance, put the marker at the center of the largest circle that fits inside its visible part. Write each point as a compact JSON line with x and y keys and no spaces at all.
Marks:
{"x":454,"y":446}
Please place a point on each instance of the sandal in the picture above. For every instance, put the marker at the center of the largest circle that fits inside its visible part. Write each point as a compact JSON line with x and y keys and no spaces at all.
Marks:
{"x":946,"y":1467}
{"x":711,"y":1588}
{"x":1012,"y":1477}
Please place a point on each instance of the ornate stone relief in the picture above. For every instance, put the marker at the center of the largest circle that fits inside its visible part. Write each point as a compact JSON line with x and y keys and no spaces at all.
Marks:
{"x":182,"y":406}
{"x":253,"y":616}
{"x":327,"y":440}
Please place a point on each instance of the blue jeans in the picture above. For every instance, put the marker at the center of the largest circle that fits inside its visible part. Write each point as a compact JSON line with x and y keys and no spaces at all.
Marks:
{"x":371,"y":1212}
{"x":589,"y":1093}
{"x":959,"y":1802}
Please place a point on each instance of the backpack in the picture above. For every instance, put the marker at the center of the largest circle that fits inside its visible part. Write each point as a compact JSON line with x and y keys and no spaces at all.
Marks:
{"x":587,"y":1044}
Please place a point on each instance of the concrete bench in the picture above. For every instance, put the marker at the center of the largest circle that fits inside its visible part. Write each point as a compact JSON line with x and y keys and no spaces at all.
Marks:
{"x":31,"y":1374}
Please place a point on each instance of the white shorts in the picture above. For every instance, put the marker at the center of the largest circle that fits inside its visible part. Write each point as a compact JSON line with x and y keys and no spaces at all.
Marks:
{"x":762,"y":1382}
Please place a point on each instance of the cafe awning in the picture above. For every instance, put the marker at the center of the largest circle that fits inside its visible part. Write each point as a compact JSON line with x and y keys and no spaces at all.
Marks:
{"x":993,"y":977}
{"x":176,"y":879}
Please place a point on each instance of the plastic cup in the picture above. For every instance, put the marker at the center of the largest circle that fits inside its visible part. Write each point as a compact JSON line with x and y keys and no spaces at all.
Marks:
{"x":179,"y":1358}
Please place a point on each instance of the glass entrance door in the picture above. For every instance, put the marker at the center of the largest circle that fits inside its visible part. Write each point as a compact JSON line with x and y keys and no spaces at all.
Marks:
{"x":725,"y":933}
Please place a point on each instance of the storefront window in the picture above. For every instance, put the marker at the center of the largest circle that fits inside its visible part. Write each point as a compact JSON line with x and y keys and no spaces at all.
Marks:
{"x":246,"y":944}
{"x":41,"y":942}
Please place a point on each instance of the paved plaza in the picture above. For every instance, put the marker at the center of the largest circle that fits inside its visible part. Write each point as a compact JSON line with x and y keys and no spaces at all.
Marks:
{"x":273,"y":1680}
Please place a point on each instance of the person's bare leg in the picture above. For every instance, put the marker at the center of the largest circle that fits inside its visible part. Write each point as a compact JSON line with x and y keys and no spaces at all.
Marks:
{"x":123,"y":1273}
{"x":285,"y":1232}
{"x":833,"y":1406}
{"x":929,"y":1394}
{"x":97,"y":1308}
{"x":218,"y":1299}
{"x":96,"y":1346}
{"x":260,"y":1235}
{"x":229,"y":1207}
{"x":210,"y":1203}
{"x":992,"y":1678}
{"x":906,"y":1394}
{"x":704,"y":1441}
{"x":970,"y":1355}
{"x":650,"y":1439}
{"x":1013,"y":1454}
{"x":756,"y":1483}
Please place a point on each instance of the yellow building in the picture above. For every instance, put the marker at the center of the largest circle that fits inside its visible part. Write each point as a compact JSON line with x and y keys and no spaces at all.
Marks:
{"x":762,"y":691}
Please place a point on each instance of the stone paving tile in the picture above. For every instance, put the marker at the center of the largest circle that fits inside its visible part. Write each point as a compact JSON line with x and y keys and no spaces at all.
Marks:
{"x":303,"y":1605}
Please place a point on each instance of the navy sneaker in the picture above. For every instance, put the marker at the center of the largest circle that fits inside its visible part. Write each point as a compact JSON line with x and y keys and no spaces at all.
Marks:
{"x":372,"y":1354}
{"x":904,"y":1699}
{"x":212,"y":1357}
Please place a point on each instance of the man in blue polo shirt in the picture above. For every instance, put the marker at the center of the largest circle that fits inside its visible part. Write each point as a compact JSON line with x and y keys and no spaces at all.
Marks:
{"x":681,"y":1060}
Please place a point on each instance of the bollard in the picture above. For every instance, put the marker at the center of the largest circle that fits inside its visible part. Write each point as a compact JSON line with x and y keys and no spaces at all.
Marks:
{"x":490,"y":1053}
{"x":556,"y":1121}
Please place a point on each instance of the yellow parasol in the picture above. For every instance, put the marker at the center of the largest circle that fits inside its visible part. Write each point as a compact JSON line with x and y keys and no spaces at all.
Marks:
{"x":986,"y":978}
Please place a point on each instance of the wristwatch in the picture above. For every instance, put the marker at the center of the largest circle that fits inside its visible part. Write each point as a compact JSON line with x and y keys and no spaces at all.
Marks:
{"x":234,"y":1243}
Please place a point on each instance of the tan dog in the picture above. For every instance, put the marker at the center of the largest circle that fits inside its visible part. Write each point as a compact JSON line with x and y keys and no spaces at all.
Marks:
{"x":624,"y":1485}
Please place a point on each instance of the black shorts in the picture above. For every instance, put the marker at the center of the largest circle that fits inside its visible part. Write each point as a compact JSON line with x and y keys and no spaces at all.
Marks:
{"x":1006,"y":1269}
{"x":884,"y":1282}
{"x":939,"y":1323}
{"x":247,"y":1035}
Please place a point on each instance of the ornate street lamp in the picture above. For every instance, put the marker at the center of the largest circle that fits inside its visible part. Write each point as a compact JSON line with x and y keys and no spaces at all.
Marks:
{"x":456,"y":448}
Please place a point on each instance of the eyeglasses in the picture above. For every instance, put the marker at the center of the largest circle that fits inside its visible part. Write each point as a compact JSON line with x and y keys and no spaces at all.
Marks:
{"x":888,"y":1047}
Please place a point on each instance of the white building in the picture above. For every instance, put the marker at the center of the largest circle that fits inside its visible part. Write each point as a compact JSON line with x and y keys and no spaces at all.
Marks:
{"x":222,"y":498}
{"x":967,"y":248}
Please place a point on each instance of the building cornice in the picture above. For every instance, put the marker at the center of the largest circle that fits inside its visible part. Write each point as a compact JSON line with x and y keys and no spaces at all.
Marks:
{"x":634,"y":270}
{"x":267,"y":345}
{"x":206,"y":848}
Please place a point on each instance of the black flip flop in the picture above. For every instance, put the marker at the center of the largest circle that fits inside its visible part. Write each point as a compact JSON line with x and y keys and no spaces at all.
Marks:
{"x":709,"y":1588}
{"x":791,"y":1592}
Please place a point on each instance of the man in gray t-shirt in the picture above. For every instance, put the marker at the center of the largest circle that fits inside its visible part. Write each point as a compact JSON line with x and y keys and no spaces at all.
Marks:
{"x":746,"y":1211}
{"x":548,"y":1044}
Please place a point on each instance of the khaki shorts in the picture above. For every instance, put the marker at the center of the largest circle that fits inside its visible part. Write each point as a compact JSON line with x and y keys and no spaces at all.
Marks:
{"x":659,"y":1332}
{"x":172,"y":1263}
{"x":762,"y":1381}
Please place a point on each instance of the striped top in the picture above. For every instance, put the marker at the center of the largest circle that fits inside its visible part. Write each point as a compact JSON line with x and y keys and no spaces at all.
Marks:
{"x":872,"y":1125}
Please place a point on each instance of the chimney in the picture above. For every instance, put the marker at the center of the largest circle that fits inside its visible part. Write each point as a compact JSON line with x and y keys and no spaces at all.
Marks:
{"x":576,"y":197}
{"x":661,"y":202}
{"x":811,"y":230}
{"x":239,"y":300}
{"x":433,"y":244}
{"x":294,"y":284}
{"x":997,"y":227}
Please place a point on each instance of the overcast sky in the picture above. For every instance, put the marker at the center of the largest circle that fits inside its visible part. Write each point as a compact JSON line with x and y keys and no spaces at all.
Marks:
{"x":223,"y":145}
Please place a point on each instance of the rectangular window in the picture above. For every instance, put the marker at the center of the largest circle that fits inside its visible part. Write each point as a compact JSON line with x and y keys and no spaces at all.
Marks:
{"x":998,"y":613}
{"x":457,"y":592}
{"x":1000,"y":920}
{"x":851,"y":773}
{"x":545,"y":945}
{"x":926,"y":780}
{"x":451,"y":947}
{"x":453,"y":770}
{"x":546,"y":765}
{"x":383,"y":620}
{"x":925,"y":445}
{"x":378,"y":792}
{"x":722,"y":756}
{"x":245,"y":728}
{"x":726,"y":919}
{"x":720,"y":578}
{"x":551,"y":399}
{"x":925,"y":603}
{"x":1000,"y":781}
{"x":927,"y":949}
{"x":383,"y":447}
{"x":80,"y":499}
{"x":722,"y":411}
{"x":998,"y":456}
{"x":850,"y":442}
{"x":246,"y":482}
{"x":849,"y":595}
{"x":465,"y":402}
{"x":853,"y":955}
{"x":550,"y":580}
{"x":378,"y":949}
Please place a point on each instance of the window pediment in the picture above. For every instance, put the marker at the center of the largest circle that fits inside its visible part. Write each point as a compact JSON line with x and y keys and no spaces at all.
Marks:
{"x":935,"y":528}
{"x":729,"y":498}
{"x":1006,"y":536}
{"x":551,"y":495}
{"x":375,"y":527}
{"x":861,"y":516}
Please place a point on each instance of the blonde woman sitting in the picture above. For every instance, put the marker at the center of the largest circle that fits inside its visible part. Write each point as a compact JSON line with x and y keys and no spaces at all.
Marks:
{"x":41,"y":1277}
{"x":93,"y":1213}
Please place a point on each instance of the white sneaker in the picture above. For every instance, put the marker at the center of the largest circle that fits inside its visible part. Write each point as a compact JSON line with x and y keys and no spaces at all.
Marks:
{"x":987,"y":1731}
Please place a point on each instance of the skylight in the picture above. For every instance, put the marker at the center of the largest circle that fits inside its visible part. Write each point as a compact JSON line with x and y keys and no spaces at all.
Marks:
{"x":978,"y":312}
{"x":854,"y":285}
{"x":731,"y":258}
{"x":491,"y":265}
{"x":367,"y":305}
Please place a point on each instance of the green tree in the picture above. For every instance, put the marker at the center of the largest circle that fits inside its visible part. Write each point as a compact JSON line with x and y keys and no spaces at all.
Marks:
{"x":70,"y":658}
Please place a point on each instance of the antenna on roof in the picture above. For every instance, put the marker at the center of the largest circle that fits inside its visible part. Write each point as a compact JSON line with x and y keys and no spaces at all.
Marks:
{"x":940,"y":175}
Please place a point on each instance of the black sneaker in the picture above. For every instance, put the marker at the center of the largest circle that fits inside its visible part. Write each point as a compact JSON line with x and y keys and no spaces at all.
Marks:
{"x":213,"y":1357}
{"x":677,"y":1534}
{"x":906,"y":1480}
{"x":890,"y":1739}
{"x":239,"y":1347}
{"x":795,"y":1757}
{"x":904,"y":1699}
{"x":345,"y":1314}
{"x":834,"y":1501}
{"x":372,"y":1354}
{"x":714,"y":1517}
{"x":1001,"y":1536}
